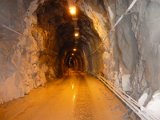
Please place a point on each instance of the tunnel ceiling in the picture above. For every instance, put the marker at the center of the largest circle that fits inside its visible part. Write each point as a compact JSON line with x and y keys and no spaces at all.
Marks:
{"x":54,"y":17}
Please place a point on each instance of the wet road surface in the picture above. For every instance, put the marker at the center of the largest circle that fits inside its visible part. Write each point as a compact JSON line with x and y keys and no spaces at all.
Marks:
{"x":77,"y":96}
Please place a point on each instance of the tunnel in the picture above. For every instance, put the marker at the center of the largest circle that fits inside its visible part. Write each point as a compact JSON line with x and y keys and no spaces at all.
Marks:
{"x":79,"y":59}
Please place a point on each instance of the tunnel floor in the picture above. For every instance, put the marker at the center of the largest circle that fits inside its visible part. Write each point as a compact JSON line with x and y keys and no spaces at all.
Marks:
{"x":76,"y":96}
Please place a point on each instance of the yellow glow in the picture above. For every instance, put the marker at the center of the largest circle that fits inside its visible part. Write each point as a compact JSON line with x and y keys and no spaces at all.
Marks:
{"x":74,"y":97}
{"x":72,"y":10}
{"x":72,"y":54}
{"x":76,"y":34}
{"x":74,"y":49}
{"x":72,"y":86}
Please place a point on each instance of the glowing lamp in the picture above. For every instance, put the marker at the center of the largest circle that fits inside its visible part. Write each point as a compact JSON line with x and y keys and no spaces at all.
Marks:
{"x":72,"y":10}
{"x":74,"y":49}
{"x":72,"y":54}
{"x":76,"y":34}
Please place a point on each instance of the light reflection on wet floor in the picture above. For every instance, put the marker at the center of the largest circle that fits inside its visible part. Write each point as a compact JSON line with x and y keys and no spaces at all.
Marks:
{"x":77,"y":96}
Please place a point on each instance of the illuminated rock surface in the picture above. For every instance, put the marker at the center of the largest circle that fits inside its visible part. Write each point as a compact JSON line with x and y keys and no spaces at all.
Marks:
{"x":37,"y":38}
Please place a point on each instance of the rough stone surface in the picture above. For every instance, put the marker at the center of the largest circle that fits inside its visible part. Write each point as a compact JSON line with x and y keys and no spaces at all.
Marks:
{"x":21,"y":62}
{"x":135,"y":43}
{"x":36,"y":47}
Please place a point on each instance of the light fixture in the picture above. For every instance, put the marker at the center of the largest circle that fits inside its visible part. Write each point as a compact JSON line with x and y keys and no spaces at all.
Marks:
{"x":72,"y":54}
{"x":73,"y":10}
{"x":74,"y":49}
{"x":76,"y":34}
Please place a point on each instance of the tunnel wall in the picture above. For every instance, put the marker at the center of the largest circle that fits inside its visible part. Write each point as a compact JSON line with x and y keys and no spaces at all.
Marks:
{"x":131,"y":58}
{"x":25,"y":61}
{"x":102,"y":55}
{"x":12,"y":18}
{"x":137,"y":40}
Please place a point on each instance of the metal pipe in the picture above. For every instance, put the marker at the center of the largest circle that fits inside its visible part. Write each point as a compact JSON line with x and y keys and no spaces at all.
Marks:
{"x":128,"y":100}
{"x":122,"y":16}
{"x":11,"y":29}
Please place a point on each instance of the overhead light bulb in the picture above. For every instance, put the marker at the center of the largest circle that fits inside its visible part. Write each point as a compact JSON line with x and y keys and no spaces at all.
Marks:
{"x":72,"y":54}
{"x":76,"y":34}
{"x":74,"y":49}
{"x":72,"y":10}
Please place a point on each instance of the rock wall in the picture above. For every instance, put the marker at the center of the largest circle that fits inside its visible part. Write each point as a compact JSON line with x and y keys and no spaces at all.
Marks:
{"x":102,"y":51}
{"x":132,"y":56}
{"x":25,"y":61}
{"x":138,"y":41}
